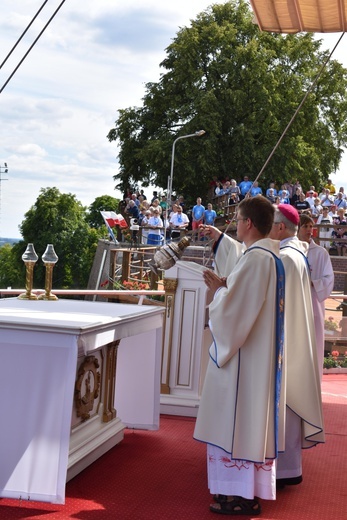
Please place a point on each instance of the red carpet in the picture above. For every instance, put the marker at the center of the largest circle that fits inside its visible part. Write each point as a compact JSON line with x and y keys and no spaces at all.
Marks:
{"x":162,"y":475}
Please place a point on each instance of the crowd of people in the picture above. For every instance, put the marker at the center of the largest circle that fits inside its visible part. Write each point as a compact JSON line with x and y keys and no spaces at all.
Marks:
{"x":160,"y":221}
{"x":327,"y":207}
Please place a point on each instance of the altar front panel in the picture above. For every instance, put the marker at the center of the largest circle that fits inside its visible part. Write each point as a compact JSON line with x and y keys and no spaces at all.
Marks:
{"x":41,"y":345}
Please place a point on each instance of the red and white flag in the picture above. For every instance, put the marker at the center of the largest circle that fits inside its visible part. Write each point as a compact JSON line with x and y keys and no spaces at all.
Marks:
{"x":114,"y":219}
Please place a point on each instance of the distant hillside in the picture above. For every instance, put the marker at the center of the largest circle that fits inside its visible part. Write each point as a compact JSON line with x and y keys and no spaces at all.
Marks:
{"x":10,"y":241}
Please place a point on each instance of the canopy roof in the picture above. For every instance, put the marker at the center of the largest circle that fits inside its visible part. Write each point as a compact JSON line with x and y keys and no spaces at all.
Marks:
{"x":291,"y":16}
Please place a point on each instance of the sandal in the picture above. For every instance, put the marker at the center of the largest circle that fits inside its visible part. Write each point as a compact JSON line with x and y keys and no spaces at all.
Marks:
{"x":220,"y":498}
{"x":236,"y":506}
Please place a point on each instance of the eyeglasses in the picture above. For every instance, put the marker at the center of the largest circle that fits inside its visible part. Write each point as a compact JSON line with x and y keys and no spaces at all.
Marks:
{"x":238,"y":219}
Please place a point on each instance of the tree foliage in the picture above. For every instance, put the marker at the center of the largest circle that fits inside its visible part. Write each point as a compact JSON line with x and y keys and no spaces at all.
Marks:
{"x":242,"y":86}
{"x":59,"y":219}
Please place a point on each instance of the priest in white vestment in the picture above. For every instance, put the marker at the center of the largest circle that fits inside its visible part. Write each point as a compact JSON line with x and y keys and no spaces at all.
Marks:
{"x":239,"y":413}
{"x":302,"y":391}
{"x":322,"y":282}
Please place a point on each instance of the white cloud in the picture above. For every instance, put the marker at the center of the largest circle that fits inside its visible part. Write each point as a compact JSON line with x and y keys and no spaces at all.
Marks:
{"x":55,"y":113}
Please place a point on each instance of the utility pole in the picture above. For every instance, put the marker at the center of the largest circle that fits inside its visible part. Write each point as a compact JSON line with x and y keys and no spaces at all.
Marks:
{"x":3,"y":169}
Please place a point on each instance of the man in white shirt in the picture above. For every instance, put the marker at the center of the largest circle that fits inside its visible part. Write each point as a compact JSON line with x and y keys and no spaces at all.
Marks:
{"x":178,"y":222}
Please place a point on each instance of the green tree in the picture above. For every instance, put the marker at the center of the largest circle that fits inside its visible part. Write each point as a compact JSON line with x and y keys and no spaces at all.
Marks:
{"x":59,"y":219}
{"x":103,"y":203}
{"x":242,"y":86}
{"x":10,"y":274}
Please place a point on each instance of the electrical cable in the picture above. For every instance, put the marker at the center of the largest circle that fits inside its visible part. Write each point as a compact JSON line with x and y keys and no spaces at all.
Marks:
{"x":31,"y":46}
{"x":23,"y":34}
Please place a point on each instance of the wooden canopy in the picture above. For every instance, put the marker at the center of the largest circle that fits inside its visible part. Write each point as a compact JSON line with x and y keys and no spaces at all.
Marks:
{"x":292,"y":16}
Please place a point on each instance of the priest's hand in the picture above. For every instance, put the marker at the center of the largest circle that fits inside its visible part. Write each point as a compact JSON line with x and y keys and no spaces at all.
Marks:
{"x":210,"y":231}
{"x":213,"y":281}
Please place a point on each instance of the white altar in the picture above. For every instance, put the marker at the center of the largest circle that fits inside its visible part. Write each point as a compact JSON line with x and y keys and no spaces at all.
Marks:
{"x":56,"y":420}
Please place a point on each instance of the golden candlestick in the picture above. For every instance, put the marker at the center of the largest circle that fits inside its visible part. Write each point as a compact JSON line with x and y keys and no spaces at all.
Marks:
{"x":29,"y":257}
{"x":49,"y":258}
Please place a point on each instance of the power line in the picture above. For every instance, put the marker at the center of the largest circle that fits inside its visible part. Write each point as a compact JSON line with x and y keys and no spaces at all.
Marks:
{"x":31,"y":46}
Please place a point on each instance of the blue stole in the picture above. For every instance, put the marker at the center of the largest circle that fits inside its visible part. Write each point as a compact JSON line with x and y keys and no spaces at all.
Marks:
{"x":279,"y":334}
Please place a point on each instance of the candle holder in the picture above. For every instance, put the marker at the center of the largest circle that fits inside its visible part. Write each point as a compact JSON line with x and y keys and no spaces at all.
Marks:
{"x":30,"y":258}
{"x":49,"y":258}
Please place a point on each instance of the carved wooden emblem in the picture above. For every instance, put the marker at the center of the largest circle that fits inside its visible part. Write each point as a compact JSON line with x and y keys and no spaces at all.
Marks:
{"x":87,"y":387}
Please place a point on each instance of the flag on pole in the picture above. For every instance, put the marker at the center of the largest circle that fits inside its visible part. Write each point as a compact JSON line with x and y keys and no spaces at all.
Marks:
{"x":114,"y":219}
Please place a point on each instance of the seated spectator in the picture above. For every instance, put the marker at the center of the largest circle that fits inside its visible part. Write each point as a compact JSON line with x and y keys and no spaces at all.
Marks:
{"x":155,"y":226}
{"x":325,"y":232}
{"x":317,"y":208}
{"x":273,"y":190}
{"x":284,"y":197}
{"x":312,"y":189}
{"x":180,"y":202}
{"x":245,"y":186}
{"x":326,"y":199}
{"x":296,"y":196}
{"x":132,"y":210}
{"x":178,"y":221}
{"x":234,"y":199}
{"x":302,"y":205}
{"x":270,"y":195}
{"x":340,"y":202}
{"x":332,"y":211}
{"x":342,"y":190}
{"x":340,"y":232}
{"x":256,"y":189}
{"x":210,"y":215}
{"x":310,"y":198}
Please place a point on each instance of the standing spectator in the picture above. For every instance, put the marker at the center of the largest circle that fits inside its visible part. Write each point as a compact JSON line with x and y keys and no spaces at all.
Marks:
{"x":163,"y":203}
{"x":155,"y":226}
{"x":144,"y":225}
{"x":342,"y":190}
{"x":322,"y":282}
{"x":234,"y":189}
{"x":210,"y":215}
{"x":178,"y":222}
{"x":256,"y":189}
{"x":236,"y":417}
{"x":329,"y":185}
{"x":245,"y":186}
{"x":197,"y":217}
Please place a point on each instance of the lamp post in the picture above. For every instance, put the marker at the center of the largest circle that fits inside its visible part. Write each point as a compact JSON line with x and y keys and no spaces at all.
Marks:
{"x":199,"y":133}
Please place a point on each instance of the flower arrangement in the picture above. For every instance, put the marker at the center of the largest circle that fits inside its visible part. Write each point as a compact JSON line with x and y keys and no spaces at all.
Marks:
{"x":330,"y":324}
{"x":135,"y":285}
{"x":333,"y":361}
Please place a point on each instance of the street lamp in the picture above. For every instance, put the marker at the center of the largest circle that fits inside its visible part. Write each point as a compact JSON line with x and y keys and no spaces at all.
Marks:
{"x":199,"y":133}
